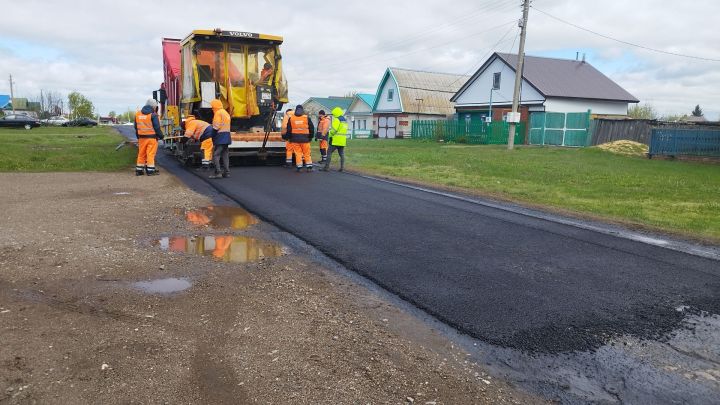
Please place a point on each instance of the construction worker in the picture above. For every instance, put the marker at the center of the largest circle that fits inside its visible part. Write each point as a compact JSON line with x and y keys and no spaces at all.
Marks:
{"x":194,"y":128}
{"x":300,"y":128}
{"x":147,"y":130}
{"x":338,"y":138}
{"x":221,"y":140}
{"x":322,"y":132}
{"x":284,"y":135}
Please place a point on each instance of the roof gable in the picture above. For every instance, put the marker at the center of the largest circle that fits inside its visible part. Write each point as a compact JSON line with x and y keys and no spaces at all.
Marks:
{"x":423,"y":92}
{"x":369,"y":99}
{"x":563,"y":78}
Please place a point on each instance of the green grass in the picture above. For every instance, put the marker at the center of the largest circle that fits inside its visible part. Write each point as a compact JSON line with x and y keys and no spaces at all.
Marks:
{"x":676,"y":196}
{"x":49,"y":149}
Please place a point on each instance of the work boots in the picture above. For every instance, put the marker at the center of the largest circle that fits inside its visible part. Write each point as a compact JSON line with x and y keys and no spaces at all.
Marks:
{"x":139,"y":172}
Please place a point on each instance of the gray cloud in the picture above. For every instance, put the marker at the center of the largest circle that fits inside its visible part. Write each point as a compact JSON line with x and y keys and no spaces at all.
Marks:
{"x":111,"y":51}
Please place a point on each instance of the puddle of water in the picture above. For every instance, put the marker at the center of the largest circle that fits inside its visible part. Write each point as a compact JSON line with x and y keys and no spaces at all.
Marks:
{"x":220,"y":217}
{"x":226,"y":248}
{"x":163,"y":285}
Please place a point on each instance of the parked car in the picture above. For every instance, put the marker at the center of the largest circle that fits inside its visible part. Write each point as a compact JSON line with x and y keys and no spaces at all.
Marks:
{"x":19,"y":121}
{"x":80,"y":122}
{"x":57,"y":120}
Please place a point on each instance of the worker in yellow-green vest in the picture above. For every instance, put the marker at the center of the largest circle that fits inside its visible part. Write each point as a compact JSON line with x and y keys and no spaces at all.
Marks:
{"x":337,"y":138}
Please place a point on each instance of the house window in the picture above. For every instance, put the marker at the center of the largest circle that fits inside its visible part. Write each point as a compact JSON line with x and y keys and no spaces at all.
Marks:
{"x":496,"y":81}
{"x":391,"y":94}
{"x":361,"y":124}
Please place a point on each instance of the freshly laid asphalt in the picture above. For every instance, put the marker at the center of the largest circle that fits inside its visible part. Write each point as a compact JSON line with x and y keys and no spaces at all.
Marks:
{"x":508,"y":279}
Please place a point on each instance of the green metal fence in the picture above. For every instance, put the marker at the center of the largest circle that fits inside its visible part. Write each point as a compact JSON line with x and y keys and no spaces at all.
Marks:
{"x":474,"y":132}
{"x":562,"y":129}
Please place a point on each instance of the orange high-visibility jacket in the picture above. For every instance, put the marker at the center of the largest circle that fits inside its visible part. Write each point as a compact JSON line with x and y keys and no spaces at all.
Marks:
{"x":323,"y":127}
{"x":286,"y":118}
{"x":195,"y":128}
{"x":144,"y":124}
{"x":300,"y":129}
{"x":221,"y":121}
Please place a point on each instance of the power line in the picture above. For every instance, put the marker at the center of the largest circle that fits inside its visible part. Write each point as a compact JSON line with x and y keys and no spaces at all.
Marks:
{"x":482,"y":58}
{"x":490,"y":7}
{"x":388,"y":48}
{"x":370,"y":59}
{"x":647,"y":48}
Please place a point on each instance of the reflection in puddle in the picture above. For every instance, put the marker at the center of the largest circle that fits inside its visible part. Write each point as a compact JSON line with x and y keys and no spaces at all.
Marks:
{"x":221,"y":217}
{"x":227,"y":248}
{"x":163,"y":285}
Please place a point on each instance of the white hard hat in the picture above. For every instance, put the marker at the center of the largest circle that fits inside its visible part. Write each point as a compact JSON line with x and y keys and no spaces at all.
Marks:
{"x":152,"y":102}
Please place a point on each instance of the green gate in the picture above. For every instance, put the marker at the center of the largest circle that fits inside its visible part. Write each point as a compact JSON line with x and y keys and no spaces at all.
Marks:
{"x":562,"y":129}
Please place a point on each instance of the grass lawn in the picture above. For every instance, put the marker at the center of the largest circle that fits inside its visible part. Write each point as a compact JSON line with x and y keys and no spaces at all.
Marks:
{"x":676,"y":196}
{"x":49,"y":149}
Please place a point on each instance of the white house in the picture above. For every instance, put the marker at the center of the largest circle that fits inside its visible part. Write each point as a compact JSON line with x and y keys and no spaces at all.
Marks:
{"x":360,"y":114}
{"x":405,"y":95}
{"x":548,"y":85}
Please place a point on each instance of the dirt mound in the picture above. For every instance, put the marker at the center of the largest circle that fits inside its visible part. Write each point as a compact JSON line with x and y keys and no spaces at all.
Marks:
{"x":624,"y":147}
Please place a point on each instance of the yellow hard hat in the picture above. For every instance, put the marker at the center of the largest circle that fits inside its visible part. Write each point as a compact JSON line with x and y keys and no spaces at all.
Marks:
{"x":337,"y":112}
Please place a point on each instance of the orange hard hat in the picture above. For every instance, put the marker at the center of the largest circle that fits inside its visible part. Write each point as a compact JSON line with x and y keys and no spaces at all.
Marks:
{"x":189,"y":118}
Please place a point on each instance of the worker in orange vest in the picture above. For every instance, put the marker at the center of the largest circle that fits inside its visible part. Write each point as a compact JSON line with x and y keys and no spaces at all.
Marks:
{"x":322,"y":134}
{"x":147,"y":130}
{"x":221,"y":140}
{"x":194,"y":129}
{"x":300,"y":128}
{"x":284,"y":135}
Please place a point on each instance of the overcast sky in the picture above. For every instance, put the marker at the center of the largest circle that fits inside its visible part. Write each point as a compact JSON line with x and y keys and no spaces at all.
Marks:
{"x":111,"y":52}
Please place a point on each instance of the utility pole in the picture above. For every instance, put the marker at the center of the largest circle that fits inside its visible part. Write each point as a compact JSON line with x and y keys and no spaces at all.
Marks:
{"x":12,"y":95}
{"x":518,"y":75}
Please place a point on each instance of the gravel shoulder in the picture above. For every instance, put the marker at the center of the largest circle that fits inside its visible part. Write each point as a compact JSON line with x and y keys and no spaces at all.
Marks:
{"x":278,"y":330}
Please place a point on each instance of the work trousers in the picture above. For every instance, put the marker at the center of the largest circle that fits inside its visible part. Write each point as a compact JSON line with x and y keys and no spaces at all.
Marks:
{"x":288,"y":153}
{"x":302,"y":153}
{"x":341,"y":152}
{"x":323,"y":149}
{"x":221,"y":154}
{"x":147,"y":148}
{"x":207,"y":148}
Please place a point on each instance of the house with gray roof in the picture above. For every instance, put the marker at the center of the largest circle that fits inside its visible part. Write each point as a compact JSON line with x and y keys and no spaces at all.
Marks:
{"x":404,"y":95}
{"x":313,"y":105}
{"x":548,"y":85}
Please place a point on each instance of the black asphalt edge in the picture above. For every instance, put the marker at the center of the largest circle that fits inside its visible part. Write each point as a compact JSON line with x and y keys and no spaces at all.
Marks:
{"x":707,"y":252}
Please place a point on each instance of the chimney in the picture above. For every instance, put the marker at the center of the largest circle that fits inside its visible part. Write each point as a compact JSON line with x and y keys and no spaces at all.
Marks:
{"x":577,"y":55}
{"x":583,"y":60}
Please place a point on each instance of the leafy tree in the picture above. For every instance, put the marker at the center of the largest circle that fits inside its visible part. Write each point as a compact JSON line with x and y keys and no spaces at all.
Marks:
{"x":112,"y":114}
{"x":674,"y":117}
{"x":697,"y":112}
{"x":80,"y":106}
{"x":643,"y":112}
{"x":127,"y":116}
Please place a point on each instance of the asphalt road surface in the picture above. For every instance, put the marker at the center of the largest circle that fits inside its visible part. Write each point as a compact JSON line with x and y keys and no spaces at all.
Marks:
{"x":508,"y":279}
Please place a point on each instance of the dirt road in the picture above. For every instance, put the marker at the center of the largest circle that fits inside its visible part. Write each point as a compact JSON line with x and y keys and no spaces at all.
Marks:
{"x":243,"y":327}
